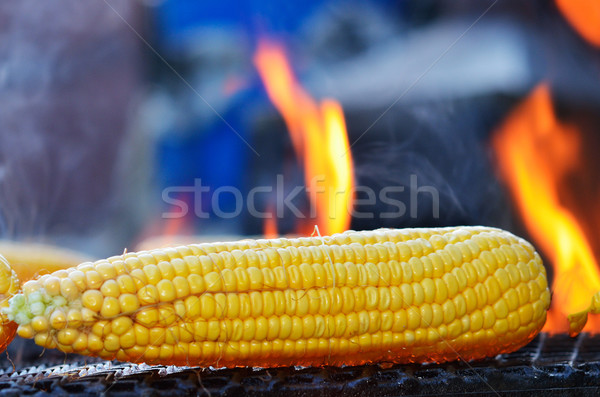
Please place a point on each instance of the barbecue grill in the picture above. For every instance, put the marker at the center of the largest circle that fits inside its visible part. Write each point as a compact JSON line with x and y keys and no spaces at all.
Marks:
{"x":551,"y":365}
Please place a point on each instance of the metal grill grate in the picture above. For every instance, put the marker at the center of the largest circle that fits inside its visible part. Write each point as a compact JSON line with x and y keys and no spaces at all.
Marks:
{"x":550,"y":365}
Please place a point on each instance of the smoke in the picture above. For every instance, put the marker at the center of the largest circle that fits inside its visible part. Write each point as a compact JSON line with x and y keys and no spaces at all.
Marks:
{"x":443,"y":148}
{"x":68,"y":72}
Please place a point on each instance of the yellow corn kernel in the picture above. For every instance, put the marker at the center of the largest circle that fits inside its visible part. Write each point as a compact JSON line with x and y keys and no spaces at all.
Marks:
{"x":58,"y":319}
{"x":102,"y":328}
{"x":52,"y":285}
{"x":26,"y":331}
{"x":214,"y":282}
{"x":182,"y":288}
{"x":139,"y":278}
{"x":67,"y":336}
{"x":166,"y":315}
{"x":81,"y":343}
{"x":110,"y":288}
{"x":128,"y":303}
{"x":166,"y":290}
{"x":110,"y":307}
{"x":192,"y":307}
{"x":106,"y":270}
{"x":152,"y":274}
{"x":166,"y":270}
{"x":127,"y":339}
{"x":121,"y":324}
{"x":148,"y":317}
{"x":88,"y":317}
{"x":148,"y":295}
{"x":95,"y":343}
{"x":68,"y":289}
{"x":40,"y":324}
{"x":142,"y":335}
{"x":126,"y":284}
{"x":74,"y":318}
{"x":112,"y":343}
{"x":196,"y":282}
{"x":93,"y":279}
{"x":92,"y":299}
{"x":45,"y":340}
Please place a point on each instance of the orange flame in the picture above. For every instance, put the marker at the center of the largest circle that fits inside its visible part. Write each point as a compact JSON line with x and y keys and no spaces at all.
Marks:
{"x":584,"y":16}
{"x":318,"y":133}
{"x":164,"y":232}
{"x":270,"y":229}
{"x":535,"y":152}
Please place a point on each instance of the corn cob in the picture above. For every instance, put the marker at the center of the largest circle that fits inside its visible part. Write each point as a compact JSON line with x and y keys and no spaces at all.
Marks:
{"x":29,"y":260}
{"x":578,"y":320}
{"x":172,"y":241}
{"x":9,"y":285}
{"x":408,"y":295}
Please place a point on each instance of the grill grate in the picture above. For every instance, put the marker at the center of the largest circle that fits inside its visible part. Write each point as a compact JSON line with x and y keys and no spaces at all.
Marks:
{"x":549,"y":365}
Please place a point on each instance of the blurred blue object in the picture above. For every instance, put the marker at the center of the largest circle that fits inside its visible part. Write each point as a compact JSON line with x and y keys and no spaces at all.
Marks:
{"x":179,"y":18}
{"x":211,"y":44}
{"x":214,"y":156}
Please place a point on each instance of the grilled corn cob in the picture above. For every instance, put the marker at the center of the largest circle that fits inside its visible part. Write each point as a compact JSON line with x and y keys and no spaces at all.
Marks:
{"x":29,"y":260}
{"x":578,"y":320}
{"x":409,"y":295}
{"x":21,"y":262}
{"x":9,"y":285}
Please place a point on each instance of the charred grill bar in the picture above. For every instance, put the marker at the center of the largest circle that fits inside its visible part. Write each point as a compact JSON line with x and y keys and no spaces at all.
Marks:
{"x":550,"y":365}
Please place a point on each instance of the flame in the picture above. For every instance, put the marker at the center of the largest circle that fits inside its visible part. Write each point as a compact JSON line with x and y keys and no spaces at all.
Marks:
{"x":584,"y":16}
{"x":318,"y":133}
{"x":535,"y":153}
{"x":233,"y":84}
{"x":165,"y":231}
{"x":270,"y":229}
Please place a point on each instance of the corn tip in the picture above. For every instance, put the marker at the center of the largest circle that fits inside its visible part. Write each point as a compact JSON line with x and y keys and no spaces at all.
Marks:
{"x":8,"y":287}
{"x":576,"y":322}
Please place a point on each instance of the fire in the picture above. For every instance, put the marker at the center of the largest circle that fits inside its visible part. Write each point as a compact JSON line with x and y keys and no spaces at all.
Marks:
{"x":535,"y":153}
{"x":318,"y":133}
{"x":168,"y":231}
{"x":584,"y":16}
{"x":270,"y":229}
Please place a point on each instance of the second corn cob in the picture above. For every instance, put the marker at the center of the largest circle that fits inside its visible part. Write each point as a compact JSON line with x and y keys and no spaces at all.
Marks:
{"x":29,"y":260}
{"x":410,"y":295}
{"x":9,"y":286}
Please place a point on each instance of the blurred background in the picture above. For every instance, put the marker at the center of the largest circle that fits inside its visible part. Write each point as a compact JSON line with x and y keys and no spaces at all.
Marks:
{"x":128,"y":124}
